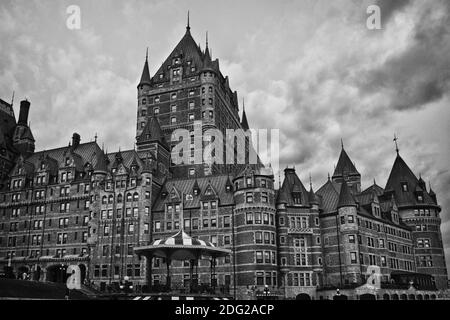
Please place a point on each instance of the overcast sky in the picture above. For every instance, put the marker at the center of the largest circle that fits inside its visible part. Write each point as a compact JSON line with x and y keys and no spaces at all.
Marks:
{"x":310,"y":68}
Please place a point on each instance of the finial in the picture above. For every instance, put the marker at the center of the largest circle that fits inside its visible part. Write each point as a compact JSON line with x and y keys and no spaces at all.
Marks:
{"x":188,"y":27}
{"x":279,"y":179}
{"x":374,"y":182}
{"x":12,"y":99}
{"x":342,"y":143}
{"x":206,"y":40}
{"x":328,"y":176}
{"x":310,"y":180}
{"x":146,"y":55}
{"x":243,"y":103}
{"x":396,"y":144}
{"x":95,"y":137}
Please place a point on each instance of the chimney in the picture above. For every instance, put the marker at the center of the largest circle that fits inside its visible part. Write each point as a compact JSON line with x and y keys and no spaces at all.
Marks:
{"x":23,"y":115}
{"x":75,"y":140}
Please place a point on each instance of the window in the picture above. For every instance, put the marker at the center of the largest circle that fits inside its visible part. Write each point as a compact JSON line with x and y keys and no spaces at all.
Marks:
{"x":264,"y":197}
{"x":191,"y":117}
{"x":156,"y":110}
{"x":259,"y":257}
{"x":404,"y":186}
{"x":351,"y":219}
{"x":353,"y":258}
{"x":173,"y":120}
{"x":258,"y":237}
{"x":249,"y":218}
{"x":258,"y":218}
{"x":191,"y":104}
{"x":351,"y":238}
{"x":173,"y":108}
{"x":226,"y":221}
{"x":249,"y":197}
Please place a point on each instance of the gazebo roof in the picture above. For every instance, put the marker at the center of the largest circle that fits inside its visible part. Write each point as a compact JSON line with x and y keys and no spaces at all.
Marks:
{"x":181,"y":246}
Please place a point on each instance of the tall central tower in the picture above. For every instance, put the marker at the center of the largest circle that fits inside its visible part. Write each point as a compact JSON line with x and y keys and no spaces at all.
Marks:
{"x":187,"y":90}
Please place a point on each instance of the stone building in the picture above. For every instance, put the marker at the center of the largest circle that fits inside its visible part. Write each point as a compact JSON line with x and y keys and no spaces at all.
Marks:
{"x":80,"y":205}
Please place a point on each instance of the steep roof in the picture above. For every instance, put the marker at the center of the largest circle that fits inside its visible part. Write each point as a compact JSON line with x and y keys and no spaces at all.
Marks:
{"x":345,"y":165}
{"x":186,"y":187}
{"x":151,"y":132}
{"x":400,"y":174}
{"x":345,"y":197}
{"x":292,"y":184}
{"x":84,"y":153}
{"x":330,"y":195}
{"x":188,"y":49}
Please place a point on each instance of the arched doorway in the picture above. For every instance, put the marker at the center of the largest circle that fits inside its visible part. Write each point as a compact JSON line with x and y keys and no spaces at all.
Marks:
{"x":403,"y":297}
{"x":433,"y":297}
{"x":367,"y":296}
{"x":82,"y":272}
{"x":303,"y":296}
{"x":419,"y":297}
{"x":386,"y":297}
{"x":57,"y":273}
{"x":394,"y":296}
{"x":427,"y":297}
{"x":412,"y":297}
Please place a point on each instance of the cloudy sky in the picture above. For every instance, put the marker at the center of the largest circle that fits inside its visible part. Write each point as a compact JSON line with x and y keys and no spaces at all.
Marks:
{"x":311,"y":68}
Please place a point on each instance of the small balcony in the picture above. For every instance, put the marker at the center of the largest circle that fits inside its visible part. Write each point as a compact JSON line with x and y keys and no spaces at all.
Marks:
{"x":300,"y":231}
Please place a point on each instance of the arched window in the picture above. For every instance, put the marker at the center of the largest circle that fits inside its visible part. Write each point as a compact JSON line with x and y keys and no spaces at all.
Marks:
{"x":119,"y":198}
{"x":104,"y":200}
{"x":110,"y":199}
{"x":128,"y":197}
{"x":135,"y":196}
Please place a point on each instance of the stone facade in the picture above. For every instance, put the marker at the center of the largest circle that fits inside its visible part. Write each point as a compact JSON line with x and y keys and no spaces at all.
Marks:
{"x":81,"y":205}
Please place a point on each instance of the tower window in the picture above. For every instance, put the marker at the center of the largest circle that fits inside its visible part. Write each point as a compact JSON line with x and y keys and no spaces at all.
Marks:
{"x":173,"y":108}
{"x":191,"y":104}
{"x":144,"y":101}
{"x":157,"y":99}
{"x":211,"y":114}
{"x":191,"y":117}
{"x":404,"y":186}
{"x":156,"y":111}
{"x":173,"y":120}
{"x":173,"y":96}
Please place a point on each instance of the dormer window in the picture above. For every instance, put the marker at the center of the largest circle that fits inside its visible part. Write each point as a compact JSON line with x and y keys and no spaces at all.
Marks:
{"x":420,"y":198}
{"x":67,"y":162}
{"x":404,"y":186}
{"x":297,"y":197}
{"x":42,"y":166}
{"x":161,"y":76}
{"x":208,"y":191}
{"x":228,"y":188}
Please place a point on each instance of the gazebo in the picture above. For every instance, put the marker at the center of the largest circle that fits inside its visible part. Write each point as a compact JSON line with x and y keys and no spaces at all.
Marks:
{"x":182,"y":247}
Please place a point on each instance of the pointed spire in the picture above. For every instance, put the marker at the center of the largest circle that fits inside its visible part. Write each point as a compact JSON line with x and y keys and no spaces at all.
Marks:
{"x":145,"y":77}
{"x":244,"y":121}
{"x":342,"y":144}
{"x":188,"y":27}
{"x":396,"y":144}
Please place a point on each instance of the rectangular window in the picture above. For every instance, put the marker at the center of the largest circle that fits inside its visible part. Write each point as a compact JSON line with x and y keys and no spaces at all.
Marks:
{"x":353,"y":258}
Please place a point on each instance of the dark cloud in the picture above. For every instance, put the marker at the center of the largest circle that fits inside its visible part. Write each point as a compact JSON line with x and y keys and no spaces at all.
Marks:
{"x":420,"y":74}
{"x":389,"y":7}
